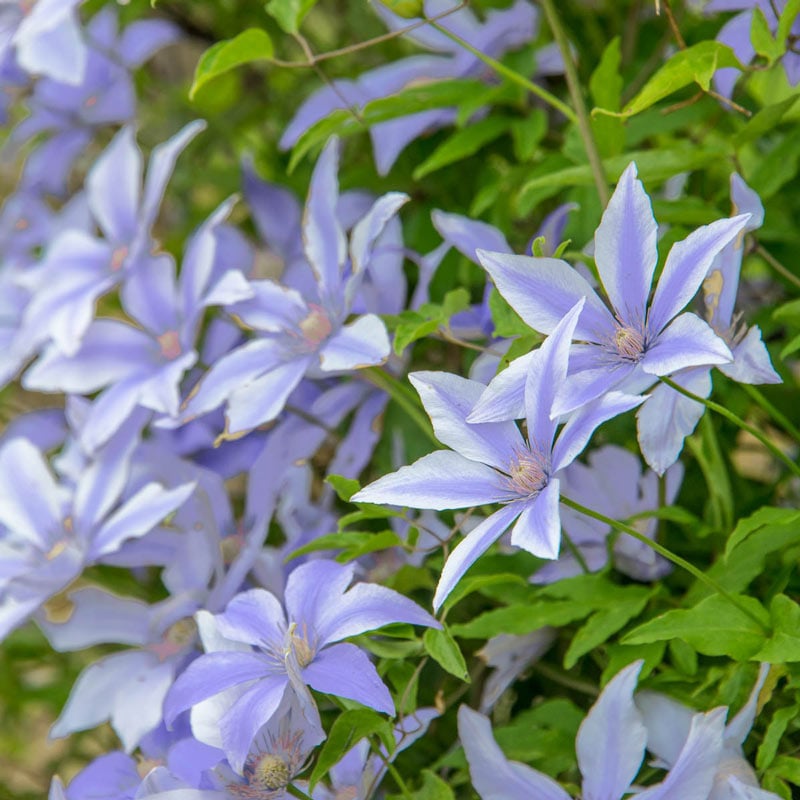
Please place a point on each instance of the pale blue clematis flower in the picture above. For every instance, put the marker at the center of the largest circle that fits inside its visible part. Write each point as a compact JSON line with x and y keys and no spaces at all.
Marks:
{"x":493,"y":463}
{"x":610,"y":747}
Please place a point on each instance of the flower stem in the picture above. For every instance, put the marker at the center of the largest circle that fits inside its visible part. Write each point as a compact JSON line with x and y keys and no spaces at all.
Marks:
{"x":738,"y":421}
{"x":510,"y":74}
{"x":402,"y":396}
{"x":777,"y":415}
{"x":573,"y":84}
{"x":668,"y":554}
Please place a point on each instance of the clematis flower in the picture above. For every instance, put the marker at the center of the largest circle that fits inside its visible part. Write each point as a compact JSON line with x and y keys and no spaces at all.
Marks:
{"x":736,"y":34}
{"x":301,"y":645}
{"x":668,"y":724}
{"x":502,"y":30}
{"x":610,"y":747}
{"x":492,"y":463}
{"x":302,"y":335}
{"x":669,"y":417}
{"x":637,"y":343}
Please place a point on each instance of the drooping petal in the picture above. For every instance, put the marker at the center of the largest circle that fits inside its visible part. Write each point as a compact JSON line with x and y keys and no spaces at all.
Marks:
{"x":625,"y":248}
{"x":668,"y":417}
{"x":438,"y":481}
{"x":323,"y":237}
{"x":362,"y":343}
{"x":254,"y":617}
{"x":667,"y":722}
{"x":493,"y":775}
{"x":345,"y":671}
{"x":209,"y":675}
{"x":687,"y":264}
{"x":468,"y":235}
{"x":611,"y":739}
{"x":474,"y":544}
{"x":751,"y":361}
{"x":547,"y":372}
{"x":686,"y":342}
{"x":248,"y":714}
{"x":449,"y":399}
{"x":504,"y":397}
{"x":692,"y":776}
{"x":538,"y":528}
{"x":575,"y":435}
{"x":543,"y":290}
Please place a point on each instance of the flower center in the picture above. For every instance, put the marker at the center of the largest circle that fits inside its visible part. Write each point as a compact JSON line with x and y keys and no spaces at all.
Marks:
{"x":316,"y":326}
{"x":629,"y":343}
{"x":270,"y":772}
{"x":170,"y":345}
{"x":118,"y":258}
{"x":529,"y":474}
{"x":177,"y":638}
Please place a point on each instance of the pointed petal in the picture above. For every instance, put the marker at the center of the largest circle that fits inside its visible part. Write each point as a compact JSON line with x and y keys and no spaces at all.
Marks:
{"x":667,"y":418}
{"x":504,"y":397}
{"x":625,"y":248}
{"x":687,"y":264}
{"x":474,"y":545}
{"x":448,"y":399}
{"x":611,"y":739}
{"x":587,"y":385}
{"x":546,"y":375}
{"x":323,"y":237}
{"x":493,"y":775}
{"x":739,"y":727}
{"x":686,"y":342}
{"x":692,"y":776}
{"x":138,"y":516}
{"x":667,"y":722}
{"x":113,"y":186}
{"x":160,"y":167}
{"x":751,"y":361}
{"x":543,"y":290}
{"x":313,"y":589}
{"x":538,"y":529}
{"x":581,"y":426}
{"x":254,"y":617}
{"x":366,"y":607}
{"x":438,"y":481}
{"x":362,"y":343}
{"x":211,"y":674}
{"x":345,"y":671}
{"x":143,"y":38}
{"x":248,"y":714}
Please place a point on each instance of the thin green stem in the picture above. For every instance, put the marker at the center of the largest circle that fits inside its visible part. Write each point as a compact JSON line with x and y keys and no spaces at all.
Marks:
{"x":739,"y":422}
{"x":402,"y":396}
{"x":574,"y":85}
{"x":573,"y":548}
{"x":776,"y":414}
{"x":510,"y":74}
{"x":668,"y":554}
{"x":777,"y":266}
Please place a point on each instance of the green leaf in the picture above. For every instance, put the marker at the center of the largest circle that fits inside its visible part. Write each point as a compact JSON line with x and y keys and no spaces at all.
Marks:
{"x":605,"y":623}
{"x":761,"y":37}
{"x":289,"y":14}
{"x":605,"y":86}
{"x":443,"y":649}
{"x":695,"y":64}
{"x":788,"y":768}
{"x":714,"y":627}
{"x":353,"y":544}
{"x":474,"y":583}
{"x":433,"y":788}
{"x":345,"y":488}
{"x":683,"y":657}
{"x":348,"y":729}
{"x":708,"y":454}
{"x":463,"y":144}
{"x":768,"y":515}
{"x":774,"y":733}
{"x":786,"y":20}
{"x":507,"y":322}
{"x":251,"y":45}
{"x":777,"y":167}
{"x":620,"y":655}
{"x":521,"y":618}
{"x":784,"y":644}
{"x":527,"y":133}
{"x":410,"y":326}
